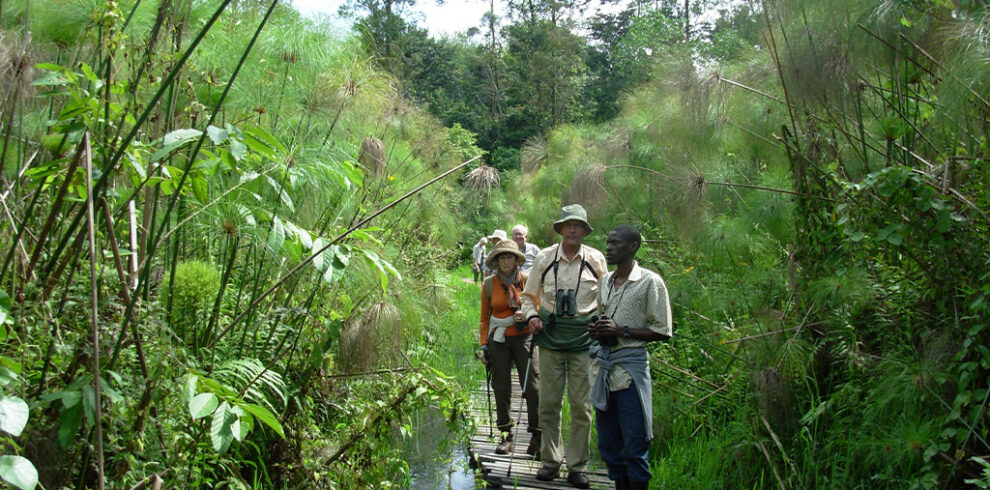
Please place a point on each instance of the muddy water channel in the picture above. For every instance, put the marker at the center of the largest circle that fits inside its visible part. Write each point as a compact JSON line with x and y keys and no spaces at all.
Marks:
{"x":437,"y":457}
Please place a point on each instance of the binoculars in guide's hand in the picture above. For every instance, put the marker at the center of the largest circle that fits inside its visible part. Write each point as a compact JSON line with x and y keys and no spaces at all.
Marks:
{"x":566,"y":303}
{"x":604,"y":341}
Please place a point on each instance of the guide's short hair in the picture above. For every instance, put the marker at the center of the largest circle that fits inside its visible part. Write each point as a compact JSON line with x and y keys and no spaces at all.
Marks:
{"x":628,"y":233}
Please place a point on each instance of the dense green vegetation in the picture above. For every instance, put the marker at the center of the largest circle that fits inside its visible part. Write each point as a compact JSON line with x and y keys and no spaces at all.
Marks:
{"x":247,"y":229}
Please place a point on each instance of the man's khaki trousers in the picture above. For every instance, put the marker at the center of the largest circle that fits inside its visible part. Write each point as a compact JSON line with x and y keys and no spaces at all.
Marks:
{"x":571,"y":370}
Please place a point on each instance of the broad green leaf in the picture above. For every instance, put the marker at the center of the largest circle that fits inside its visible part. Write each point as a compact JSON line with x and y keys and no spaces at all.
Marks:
{"x":138,"y":166}
{"x":366,"y":234}
{"x":383,"y":266}
{"x":175,"y":140}
{"x":274,"y":147}
{"x":318,"y":257}
{"x":200,"y":188}
{"x":246,"y":215}
{"x":181,"y":136}
{"x":336,"y":260}
{"x":266,"y":417}
{"x":109,"y":393}
{"x":248,"y":176}
{"x":353,"y":172}
{"x":217,"y":135}
{"x":19,"y":472}
{"x":282,"y":194}
{"x":51,"y":78}
{"x":13,"y":414}
{"x":202,"y":405}
{"x":190,"y":388}
{"x":237,"y":149}
{"x":220,"y":433}
{"x":68,"y":426}
{"x":228,"y":159}
{"x":6,"y":303}
{"x":255,"y":146}
{"x":304,"y":237}
{"x":243,"y":423}
{"x":276,"y":237}
{"x":49,"y":67}
{"x":71,"y":398}
{"x":89,"y":404}
{"x":293,"y":250}
{"x":88,"y":72}
{"x":7,"y":375}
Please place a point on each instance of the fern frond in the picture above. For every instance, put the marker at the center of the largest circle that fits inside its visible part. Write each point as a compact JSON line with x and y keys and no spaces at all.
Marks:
{"x":259,"y":385}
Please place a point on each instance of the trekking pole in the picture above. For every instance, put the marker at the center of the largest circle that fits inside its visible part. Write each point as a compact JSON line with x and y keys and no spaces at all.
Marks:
{"x":488,"y":390}
{"x":515,"y":430}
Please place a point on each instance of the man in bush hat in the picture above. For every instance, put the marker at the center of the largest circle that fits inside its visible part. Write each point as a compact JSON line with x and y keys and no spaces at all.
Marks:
{"x":559,"y":300}
{"x":635,"y":310}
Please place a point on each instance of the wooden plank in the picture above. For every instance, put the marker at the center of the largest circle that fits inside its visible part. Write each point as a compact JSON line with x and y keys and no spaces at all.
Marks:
{"x":495,"y":467}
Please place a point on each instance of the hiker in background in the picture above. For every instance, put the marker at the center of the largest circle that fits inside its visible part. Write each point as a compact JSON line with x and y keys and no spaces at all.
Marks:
{"x":634,"y":311}
{"x":507,"y":341}
{"x":559,"y":300}
{"x":478,"y":259}
{"x":530,"y":250}
{"x":494,"y":238}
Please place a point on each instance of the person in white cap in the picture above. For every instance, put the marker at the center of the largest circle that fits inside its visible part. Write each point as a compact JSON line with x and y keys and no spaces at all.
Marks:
{"x":494,"y":238}
{"x":560,"y":297}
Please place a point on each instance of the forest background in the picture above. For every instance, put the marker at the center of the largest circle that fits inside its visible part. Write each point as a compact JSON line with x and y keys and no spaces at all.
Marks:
{"x":233,"y":236}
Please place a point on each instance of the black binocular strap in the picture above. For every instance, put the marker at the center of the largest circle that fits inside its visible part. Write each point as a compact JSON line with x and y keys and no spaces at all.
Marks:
{"x":556,"y":264}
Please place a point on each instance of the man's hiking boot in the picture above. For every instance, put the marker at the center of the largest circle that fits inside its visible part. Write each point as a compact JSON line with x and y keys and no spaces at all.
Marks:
{"x":578,"y":479}
{"x":534,"y":444}
{"x":504,"y":445}
{"x":547,"y":473}
{"x":622,"y":483}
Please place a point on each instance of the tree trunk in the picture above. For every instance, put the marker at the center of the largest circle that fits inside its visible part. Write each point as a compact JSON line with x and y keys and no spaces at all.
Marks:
{"x":687,"y":20}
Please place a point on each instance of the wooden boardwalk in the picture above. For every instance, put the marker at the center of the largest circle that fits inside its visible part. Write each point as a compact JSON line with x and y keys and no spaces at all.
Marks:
{"x":495,"y":467}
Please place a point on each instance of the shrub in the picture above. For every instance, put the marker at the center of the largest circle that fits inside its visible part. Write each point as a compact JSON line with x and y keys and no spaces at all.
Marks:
{"x":190,"y":295}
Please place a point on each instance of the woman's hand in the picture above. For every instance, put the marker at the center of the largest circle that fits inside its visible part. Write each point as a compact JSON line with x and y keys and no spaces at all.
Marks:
{"x":536,"y":325}
{"x":484,"y":355}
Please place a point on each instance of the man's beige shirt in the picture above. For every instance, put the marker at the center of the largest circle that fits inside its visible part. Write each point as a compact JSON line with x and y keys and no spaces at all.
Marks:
{"x":640,"y":302}
{"x":544,"y":292}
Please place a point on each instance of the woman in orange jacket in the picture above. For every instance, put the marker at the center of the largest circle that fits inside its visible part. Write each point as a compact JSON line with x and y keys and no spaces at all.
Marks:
{"x":507,"y":341}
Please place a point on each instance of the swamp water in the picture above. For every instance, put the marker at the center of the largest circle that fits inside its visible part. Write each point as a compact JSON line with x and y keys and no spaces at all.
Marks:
{"x":436,"y":459}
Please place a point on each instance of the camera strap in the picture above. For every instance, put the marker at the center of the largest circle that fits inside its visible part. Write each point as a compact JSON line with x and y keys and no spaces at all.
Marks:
{"x":618,"y":300}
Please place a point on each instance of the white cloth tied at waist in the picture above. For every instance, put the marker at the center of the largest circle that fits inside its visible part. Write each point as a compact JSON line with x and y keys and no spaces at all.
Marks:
{"x":498,"y":326}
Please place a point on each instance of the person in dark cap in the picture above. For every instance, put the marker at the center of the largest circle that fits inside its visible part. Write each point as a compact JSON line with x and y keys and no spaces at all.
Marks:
{"x":559,"y":300}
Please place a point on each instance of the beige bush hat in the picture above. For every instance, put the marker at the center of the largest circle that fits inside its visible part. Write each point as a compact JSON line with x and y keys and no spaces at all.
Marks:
{"x":498,"y":234}
{"x":504,"y":247}
{"x":573,"y":212}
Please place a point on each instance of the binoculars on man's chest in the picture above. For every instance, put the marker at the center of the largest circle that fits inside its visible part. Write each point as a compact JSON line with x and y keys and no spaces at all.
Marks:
{"x":566,"y":304}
